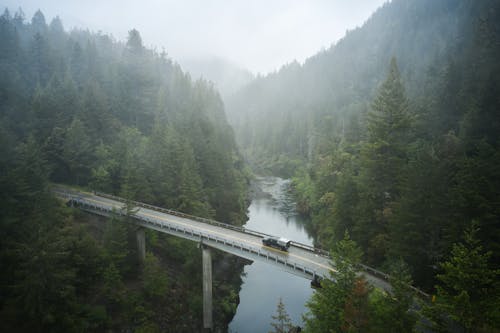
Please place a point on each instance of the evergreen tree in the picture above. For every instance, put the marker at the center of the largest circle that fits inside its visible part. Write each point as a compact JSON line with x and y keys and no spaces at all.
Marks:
{"x":383,"y":161}
{"x":402,"y":299}
{"x":38,"y":23}
{"x":41,"y":60}
{"x":77,"y":152}
{"x":95,"y":112}
{"x":281,"y":320}
{"x":116,"y":244}
{"x":113,"y":288}
{"x":356,"y":309}
{"x":101,"y":177}
{"x":80,"y":107}
{"x":426,"y":209}
{"x":190,"y":197}
{"x":468,"y":290}
{"x":134,"y":42}
{"x":154,"y":280}
{"x":327,"y":305}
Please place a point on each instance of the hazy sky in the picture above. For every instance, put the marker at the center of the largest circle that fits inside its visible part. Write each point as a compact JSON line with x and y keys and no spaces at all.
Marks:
{"x":260,"y":35}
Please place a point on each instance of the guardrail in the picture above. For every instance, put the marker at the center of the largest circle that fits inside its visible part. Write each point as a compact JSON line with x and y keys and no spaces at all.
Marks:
{"x":211,"y":222}
{"x":183,"y":215}
{"x":198,"y":234}
{"x":379,"y":274}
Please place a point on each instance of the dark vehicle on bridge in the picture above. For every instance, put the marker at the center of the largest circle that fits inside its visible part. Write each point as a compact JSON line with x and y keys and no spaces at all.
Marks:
{"x":278,"y":243}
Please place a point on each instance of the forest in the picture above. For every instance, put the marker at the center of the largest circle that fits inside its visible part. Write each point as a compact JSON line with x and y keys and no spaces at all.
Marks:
{"x":82,"y":109}
{"x":391,"y":138}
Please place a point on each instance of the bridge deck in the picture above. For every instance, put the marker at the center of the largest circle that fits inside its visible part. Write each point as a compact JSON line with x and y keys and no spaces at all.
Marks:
{"x":300,"y":259}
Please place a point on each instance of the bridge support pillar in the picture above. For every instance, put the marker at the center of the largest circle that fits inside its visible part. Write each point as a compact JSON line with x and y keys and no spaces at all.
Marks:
{"x":207,"y":288}
{"x":141,"y":244}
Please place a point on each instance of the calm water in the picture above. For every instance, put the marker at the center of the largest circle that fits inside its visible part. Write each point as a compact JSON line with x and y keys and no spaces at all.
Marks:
{"x":263,"y":285}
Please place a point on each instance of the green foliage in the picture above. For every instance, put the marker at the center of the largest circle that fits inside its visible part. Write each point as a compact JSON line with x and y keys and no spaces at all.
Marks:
{"x":113,"y":288}
{"x":77,"y":151}
{"x":327,"y":305}
{"x":400,"y":303}
{"x":346,"y":303}
{"x":81,"y":109}
{"x":383,"y":158}
{"x":403,"y":169}
{"x":406,"y":176}
{"x":114,"y":116}
{"x":468,"y":290}
{"x":115,"y":241}
{"x":154,"y":281}
{"x":388,"y":126}
{"x":281,"y":320}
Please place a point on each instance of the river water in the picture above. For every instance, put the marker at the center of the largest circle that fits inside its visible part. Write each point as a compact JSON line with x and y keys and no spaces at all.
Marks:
{"x":273,"y":212}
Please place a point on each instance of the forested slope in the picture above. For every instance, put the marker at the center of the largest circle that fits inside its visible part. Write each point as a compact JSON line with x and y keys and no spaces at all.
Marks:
{"x":287,"y":113}
{"x":403,"y":154}
{"x":83,"y":109}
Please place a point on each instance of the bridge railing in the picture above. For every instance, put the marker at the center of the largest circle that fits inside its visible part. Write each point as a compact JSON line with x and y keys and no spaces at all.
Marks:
{"x":379,"y":274}
{"x":211,"y":222}
{"x":318,"y":251}
{"x":184,"y":215}
{"x":146,"y":220}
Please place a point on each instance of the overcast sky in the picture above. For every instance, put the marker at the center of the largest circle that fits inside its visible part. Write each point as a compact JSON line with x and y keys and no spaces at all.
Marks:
{"x":259,"y":35}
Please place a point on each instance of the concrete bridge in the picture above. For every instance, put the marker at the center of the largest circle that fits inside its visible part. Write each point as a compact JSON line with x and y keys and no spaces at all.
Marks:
{"x":302,"y":260}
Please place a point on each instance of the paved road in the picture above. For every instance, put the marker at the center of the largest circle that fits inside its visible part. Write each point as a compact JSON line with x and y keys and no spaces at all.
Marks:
{"x":300,"y":259}
{"x":313,"y":261}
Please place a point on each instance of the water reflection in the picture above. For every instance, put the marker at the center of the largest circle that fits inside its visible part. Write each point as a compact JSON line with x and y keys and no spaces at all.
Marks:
{"x":272,"y":211}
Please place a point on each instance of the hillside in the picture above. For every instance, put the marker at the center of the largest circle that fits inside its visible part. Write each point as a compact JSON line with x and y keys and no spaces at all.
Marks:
{"x":226,"y":76}
{"x":83,"y":109}
{"x":402,"y":153}
{"x":391,"y":138}
{"x":286,"y":112}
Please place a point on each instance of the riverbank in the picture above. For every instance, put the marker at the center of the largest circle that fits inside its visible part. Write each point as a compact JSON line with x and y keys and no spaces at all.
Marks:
{"x":272,"y":210}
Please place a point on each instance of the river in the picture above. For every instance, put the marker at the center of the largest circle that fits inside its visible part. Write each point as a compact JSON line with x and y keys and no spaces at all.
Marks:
{"x":273,"y":212}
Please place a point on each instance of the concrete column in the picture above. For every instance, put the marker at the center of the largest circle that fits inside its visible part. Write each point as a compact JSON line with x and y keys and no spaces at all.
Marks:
{"x":207,"y":288}
{"x":141,"y":244}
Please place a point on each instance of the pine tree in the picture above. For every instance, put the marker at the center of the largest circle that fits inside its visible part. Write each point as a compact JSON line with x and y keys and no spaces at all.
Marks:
{"x":77,"y":152}
{"x":402,"y":298}
{"x":468,"y":293}
{"x":95,"y":112}
{"x":281,"y":320}
{"x":154,"y":279}
{"x":116,"y":243}
{"x":134,"y":42}
{"x":327,"y":306}
{"x":356,"y":309}
{"x":426,"y":208}
{"x":190,"y":192}
{"x":383,"y":160}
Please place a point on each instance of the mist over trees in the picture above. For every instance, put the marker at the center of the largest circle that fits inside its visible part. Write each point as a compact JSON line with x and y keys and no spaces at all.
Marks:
{"x":227,"y":77}
{"x":391,"y":136}
{"x":384,"y":147}
{"x":83,"y":109}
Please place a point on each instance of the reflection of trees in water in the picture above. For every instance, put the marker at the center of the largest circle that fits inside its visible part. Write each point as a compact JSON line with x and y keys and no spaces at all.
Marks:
{"x":279,"y":196}
{"x":286,"y":203}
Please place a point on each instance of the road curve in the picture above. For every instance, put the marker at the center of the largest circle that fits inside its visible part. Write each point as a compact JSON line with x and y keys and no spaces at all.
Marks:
{"x":300,"y":259}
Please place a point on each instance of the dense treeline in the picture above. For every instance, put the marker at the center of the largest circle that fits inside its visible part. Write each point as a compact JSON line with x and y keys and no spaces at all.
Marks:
{"x":419,"y":169}
{"x":285,"y":117}
{"x":405,"y":160}
{"x":401,"y":153}
{"x":466,"y":299}
{"x":82,"y":109}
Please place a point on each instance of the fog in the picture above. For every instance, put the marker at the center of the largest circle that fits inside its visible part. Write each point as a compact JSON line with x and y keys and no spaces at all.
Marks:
{"x":257,"y":35}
